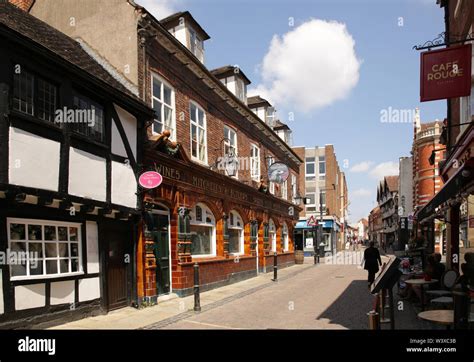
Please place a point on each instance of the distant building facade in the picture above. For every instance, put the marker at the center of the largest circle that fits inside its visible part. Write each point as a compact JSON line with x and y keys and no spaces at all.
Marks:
{"x":324,"y":189}
{"x":387,"y":198}
{"x":405,"y":201}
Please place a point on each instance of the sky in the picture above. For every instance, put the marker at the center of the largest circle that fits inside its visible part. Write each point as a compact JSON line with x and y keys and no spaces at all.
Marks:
{"x":341,"y":72}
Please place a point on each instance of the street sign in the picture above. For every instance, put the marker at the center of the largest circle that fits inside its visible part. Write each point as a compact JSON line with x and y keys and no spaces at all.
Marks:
{"x":311,"y":221}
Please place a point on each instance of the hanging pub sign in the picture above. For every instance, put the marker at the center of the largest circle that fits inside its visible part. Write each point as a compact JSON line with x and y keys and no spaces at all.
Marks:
{"x":278,"y":172}
{"x":150,"y":179}
{"x":446,"y":73}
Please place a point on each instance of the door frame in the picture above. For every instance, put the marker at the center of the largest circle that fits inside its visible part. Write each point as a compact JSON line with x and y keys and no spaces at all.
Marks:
{"x":103,"y":227}
{"x":168,"y":214}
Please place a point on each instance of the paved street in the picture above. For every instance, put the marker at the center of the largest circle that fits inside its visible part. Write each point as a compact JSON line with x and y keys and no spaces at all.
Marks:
{"x":321,"y":297}
{"x":326,"y":296}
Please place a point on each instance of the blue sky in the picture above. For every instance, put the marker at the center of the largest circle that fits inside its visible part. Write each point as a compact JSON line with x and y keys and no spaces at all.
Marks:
{"x":383,"y":33}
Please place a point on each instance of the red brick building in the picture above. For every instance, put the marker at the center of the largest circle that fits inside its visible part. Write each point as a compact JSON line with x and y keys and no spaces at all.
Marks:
{"x":225,"y":219}
{"x":426,"y":178}
{"x":457,"y":161}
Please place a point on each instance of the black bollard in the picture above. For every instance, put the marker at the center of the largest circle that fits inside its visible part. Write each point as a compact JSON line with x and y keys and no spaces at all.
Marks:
{"x":275,"y":267}
{"x":197,"y":299}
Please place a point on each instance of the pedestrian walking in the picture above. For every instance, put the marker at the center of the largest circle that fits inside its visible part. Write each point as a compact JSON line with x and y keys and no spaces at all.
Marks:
{"x":372,"y":261}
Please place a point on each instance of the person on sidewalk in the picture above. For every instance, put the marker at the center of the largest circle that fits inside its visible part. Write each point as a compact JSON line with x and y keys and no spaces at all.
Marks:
{"x":372,"y":261}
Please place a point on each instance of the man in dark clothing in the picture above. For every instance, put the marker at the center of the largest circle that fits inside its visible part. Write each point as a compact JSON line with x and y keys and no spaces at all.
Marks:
{"x":372,"y":261}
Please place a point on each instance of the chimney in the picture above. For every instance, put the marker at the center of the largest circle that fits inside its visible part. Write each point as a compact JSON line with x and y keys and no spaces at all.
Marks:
{"x":24,"y":5}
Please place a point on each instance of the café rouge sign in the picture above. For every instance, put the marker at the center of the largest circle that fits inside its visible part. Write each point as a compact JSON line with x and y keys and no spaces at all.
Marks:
{"x":446,"y":73}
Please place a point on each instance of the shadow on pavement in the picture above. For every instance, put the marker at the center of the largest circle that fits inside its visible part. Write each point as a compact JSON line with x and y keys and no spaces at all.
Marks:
{"x":351,"y":307}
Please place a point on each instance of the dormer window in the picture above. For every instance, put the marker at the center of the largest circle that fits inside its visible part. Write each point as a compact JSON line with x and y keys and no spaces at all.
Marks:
{"x":270,"y":116}
{"x":187,"y":30}
{"x":196,"y":45}
{"x":234,"y":79}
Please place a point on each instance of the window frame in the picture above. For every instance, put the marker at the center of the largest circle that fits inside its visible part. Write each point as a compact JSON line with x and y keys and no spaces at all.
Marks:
{"x":91,"y":102}
{"x":271,"y":185}
{"x":163,"y":104}
{"x":272,"y":233}
{"x":322,"y":175}
{"x":255,"y":159}
{"x":196,"y":124}
{"x":42,"y":223}
{"x":212,"y":226}
{"x":284,"y":236}
{"x":228,"y":144}
{"x":35,"y":95}
{"x":233,"y":226}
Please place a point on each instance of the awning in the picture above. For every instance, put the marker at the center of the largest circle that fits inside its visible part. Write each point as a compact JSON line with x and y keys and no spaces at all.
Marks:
{"x":328,"y":224}
{"x":455,"y":185}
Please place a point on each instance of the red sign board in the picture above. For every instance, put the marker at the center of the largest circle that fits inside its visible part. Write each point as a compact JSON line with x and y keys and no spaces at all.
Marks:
{"x":150,"y":179}
{"x":446,"y":73}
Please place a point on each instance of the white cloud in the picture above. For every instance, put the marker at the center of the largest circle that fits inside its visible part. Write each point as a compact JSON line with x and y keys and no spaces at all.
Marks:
{"x":159,"y":8}
{"x":361,"y":192}
{"x":309,"y":67}
{"x":384,"y":169}
{"x":363,"y":166}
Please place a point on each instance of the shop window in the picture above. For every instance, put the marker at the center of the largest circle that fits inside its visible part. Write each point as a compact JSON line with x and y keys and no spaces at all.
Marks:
{"x":272,"y":234}
{"x":236,"y":233}
{"x":202,"y":231}
{"x":43,"y":249}
{"x":254,"y":230}
{"x":284,"y":237}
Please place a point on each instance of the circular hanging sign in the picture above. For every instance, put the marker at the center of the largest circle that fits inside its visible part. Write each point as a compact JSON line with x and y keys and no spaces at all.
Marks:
{"x":278,"y":172}
{"x":150,"y":179}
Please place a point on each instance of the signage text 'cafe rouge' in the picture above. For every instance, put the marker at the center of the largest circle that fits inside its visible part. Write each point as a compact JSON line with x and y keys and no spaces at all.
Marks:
{"x":446,"y":73}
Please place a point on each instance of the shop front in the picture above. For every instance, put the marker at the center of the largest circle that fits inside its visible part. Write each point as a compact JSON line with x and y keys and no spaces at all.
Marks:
{"x":231,"y":230}
{"x":308,"y":234}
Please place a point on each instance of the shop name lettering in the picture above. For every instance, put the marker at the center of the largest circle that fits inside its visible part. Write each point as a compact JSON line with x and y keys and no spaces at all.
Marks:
{"x":168,"y":172}
{"x":220,"y":189}
{"x":445,"y":71}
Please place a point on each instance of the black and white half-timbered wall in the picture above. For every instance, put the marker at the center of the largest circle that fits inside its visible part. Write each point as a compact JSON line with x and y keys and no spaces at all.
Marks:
{"x":70,"y":142}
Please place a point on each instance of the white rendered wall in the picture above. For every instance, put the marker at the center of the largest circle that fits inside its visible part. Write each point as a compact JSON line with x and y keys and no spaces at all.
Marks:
{"x":87,"y":175}
{"x":129,"y":124}
{"x":124,"y":185}
{"x":33,"y":160}
{"x":89,"y":289}
{"x":92,"y":235}
{"x":62,"y":292}
{"x":30,"y":296}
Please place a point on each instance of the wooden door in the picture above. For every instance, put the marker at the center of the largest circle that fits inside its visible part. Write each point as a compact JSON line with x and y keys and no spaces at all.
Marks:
{"x":117,"y":254}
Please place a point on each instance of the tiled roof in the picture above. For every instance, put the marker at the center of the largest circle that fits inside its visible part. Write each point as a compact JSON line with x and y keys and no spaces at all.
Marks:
{"x":56,"y":42}
{"x":257,"y":100}
{"x":229,"y":70}
{"x":392,"y":183}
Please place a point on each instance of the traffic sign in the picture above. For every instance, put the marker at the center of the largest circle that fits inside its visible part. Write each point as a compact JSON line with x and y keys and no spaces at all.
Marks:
{"x":311,"y":221}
